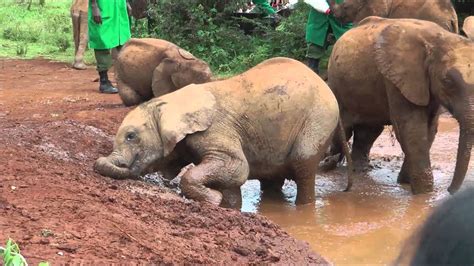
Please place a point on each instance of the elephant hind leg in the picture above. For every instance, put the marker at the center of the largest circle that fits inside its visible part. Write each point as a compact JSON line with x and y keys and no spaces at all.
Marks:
{"x":304,"y":175}
{"x":128,"y":95}
{"x":364,"y":138}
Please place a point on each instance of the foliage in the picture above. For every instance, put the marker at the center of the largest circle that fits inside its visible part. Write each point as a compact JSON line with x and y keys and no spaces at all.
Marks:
{"x":207,"y":29}
{"x":44,"y":30}
{"x":11,"y":255}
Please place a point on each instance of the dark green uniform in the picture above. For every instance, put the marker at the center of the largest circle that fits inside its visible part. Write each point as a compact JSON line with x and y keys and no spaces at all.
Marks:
{"x":317,"y":30}
{"x":264,"y":6}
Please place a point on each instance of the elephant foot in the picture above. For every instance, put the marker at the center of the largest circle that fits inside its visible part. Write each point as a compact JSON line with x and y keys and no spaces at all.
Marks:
{"x":423,"y":184}
{"x":329,"y":163}
{"x":232,"y":198}
{"x":403,"y":178}
{"x":79,"y":66}
{"x":361,"y":166}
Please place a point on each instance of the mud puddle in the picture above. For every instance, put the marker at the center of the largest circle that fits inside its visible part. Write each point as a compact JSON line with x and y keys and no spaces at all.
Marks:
{"x":370,"y":223}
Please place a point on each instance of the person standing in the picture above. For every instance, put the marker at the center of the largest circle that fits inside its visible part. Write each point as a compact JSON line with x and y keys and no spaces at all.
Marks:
{"x":109,"y":27}
{"x":320,"y":23}
{"x":267,"y":9}
{"x":79,"y":27}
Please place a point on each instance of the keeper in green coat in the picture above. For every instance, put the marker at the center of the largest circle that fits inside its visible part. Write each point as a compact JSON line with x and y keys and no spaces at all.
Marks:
{"x":109,"y":27}
{"x":320,"y":23}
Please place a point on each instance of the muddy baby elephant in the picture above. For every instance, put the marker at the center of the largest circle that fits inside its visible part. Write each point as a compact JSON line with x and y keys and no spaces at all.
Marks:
{"x":254,"y":125}
{"x":147,"y":68}
{"x":438,"y":11}
{"x":400,"y":72}
{"x":468,"y":27}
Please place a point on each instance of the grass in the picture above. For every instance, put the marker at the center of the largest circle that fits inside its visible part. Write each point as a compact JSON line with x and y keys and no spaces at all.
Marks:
{"x":39,"y":32}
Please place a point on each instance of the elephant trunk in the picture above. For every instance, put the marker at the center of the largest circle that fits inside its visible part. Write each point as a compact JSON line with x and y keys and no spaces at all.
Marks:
{"x":466,"y":137}
{"x":110,"y":166}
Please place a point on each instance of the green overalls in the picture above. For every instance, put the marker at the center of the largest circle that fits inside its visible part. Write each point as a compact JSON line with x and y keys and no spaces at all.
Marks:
{"x":112,"y":33}
{"x":317,"y":30}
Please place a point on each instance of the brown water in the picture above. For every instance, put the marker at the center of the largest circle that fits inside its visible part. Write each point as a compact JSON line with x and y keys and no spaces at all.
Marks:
{"x":370,"y":223}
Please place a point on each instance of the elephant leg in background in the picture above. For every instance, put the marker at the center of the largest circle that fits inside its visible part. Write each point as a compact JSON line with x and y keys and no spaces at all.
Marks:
{"x":330,"y":162}
{"x":272,"y":184}
{"x":411,"y":125}
{"x":128,"y":95}
{"x":364,"y":138}
{"x":224,"y":174}
{"x":80,"y":34}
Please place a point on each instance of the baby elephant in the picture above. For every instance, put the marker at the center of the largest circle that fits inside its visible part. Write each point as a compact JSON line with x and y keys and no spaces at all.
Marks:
{"x":254,"y":125}
{"x":147,"y":68}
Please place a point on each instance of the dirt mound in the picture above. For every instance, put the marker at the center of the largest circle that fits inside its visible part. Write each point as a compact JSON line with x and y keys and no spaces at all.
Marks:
{"x":53,"y":125}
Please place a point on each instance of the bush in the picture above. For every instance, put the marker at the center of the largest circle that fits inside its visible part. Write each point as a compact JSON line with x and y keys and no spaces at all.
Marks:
{"x":207,"y":29}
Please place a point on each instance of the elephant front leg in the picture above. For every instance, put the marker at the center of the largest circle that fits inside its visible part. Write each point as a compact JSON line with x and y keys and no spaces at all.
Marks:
{"x":412,"y":128}
{"x":215,"y":179}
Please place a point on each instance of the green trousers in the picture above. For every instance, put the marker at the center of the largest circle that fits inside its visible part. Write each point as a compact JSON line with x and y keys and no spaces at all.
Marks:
{"x":104,"y":58}
{"x":264,"y":6}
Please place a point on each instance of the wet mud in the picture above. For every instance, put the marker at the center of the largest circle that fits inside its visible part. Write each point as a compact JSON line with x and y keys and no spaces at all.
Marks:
{"x":369,"y":224}
{"x":53,"y":125}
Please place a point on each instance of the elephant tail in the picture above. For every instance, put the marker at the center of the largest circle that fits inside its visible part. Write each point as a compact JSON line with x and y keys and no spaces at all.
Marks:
{"x":347,"y":154}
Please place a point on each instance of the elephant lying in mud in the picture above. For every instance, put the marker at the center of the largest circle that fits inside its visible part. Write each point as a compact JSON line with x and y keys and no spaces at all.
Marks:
{"x":254,"y":125}
{"x":438,"y":11}
{"x":468,"y":27}
{"x":147,"y":68}
{"x":400,"y":72}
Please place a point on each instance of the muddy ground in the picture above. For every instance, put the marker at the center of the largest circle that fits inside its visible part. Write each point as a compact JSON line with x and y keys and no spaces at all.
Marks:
{"x":53,"y":125}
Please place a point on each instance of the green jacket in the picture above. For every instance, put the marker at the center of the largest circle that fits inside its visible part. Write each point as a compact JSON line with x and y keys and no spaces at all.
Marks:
{"x":318,"y":26}
{"x":115,"y":27}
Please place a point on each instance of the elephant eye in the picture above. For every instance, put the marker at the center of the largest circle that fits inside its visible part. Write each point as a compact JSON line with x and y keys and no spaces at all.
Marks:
{"x":131,"y":136}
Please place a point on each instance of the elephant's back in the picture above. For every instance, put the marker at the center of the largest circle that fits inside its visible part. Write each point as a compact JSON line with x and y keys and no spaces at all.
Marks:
{"x":283,"y":80}
{"x":138,"y":59}
{"x":270,"y":105}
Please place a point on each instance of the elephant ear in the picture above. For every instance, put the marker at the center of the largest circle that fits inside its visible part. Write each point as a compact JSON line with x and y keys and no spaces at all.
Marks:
{"x":183,"y":112}
{"x":185,"y":54}
{"x":161,"y":81}
{"x":401,"y":55}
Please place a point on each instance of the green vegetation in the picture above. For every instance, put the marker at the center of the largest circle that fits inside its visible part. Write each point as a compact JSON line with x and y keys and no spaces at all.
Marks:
{"x":44,"y":30}
{"x":210,"y":32}
{"x":204,"y":27}
{"x":11,"y":256}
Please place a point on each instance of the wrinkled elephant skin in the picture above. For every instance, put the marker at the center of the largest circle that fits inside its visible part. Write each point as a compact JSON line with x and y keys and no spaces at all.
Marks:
{"x":438,"y":11}
{"x":147,"y":68}
{"x":400,"y":72}
{"x":254,"y":125}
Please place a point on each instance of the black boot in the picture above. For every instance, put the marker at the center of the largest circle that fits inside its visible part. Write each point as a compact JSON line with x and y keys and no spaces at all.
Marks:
{"x":314,"y":65}
{"x":105,"y":84}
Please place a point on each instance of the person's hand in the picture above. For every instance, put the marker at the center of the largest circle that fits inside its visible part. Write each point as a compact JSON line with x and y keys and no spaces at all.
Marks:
{"x":328,"y":11}
{"x":96,"y":14}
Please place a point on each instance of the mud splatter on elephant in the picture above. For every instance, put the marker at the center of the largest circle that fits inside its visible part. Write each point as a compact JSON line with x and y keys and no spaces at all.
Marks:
{"x":254,"y":125}
{"x":147,"y":68}
{"x":400,"y":72}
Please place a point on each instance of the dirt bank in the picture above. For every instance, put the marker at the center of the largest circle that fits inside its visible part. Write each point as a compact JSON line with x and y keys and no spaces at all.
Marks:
{"x":53,"y":125}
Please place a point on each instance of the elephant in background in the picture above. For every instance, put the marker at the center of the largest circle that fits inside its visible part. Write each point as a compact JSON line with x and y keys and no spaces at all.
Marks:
{"x":400,"y":72}
{"x":468,"y":27}
{"x":147,"y":68}
{"x":440,"y":12}
{"x":254,"y":125}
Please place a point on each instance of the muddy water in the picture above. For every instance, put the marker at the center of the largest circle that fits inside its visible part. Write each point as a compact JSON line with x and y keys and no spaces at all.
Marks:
{"x":370,"y":223}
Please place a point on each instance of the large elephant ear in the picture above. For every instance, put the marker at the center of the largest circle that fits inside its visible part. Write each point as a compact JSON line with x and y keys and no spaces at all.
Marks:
{"x":400,"y":56}
{"x":183,"y":112}
{"x":185,"y":54}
